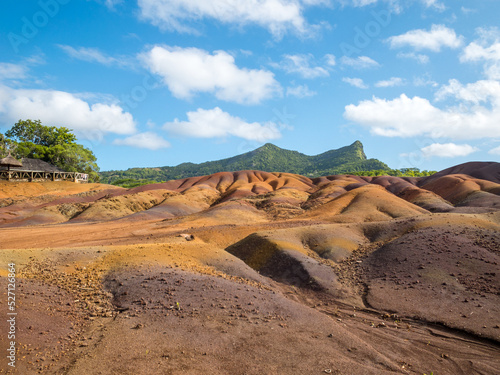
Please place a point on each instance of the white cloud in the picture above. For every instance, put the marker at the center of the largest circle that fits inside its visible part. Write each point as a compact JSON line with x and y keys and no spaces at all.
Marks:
{"x":277,"y":16}
{"x":421,"y":58}
{"x":356,"y":82}
{"x":393,"y":81}
{"x":12,"y":71}
{"x":494,"y":151}
{"x":302,"y":65}
{"x":447,"y":150}
{"x":330,"y":59}
{"x":148,"y":140}
{"x":439,"y":36}
{"x":467,"y":11}
{"x":361,"y":62}
{"x":434,"y":4}
{"x":187,"y":71}
{"x":93,"y":55}
{"x":214,"y":123}
{"x":300,"y":91}
{"x":395,"y":6}
{"x":111,"y":3}
{"x":60,"y":108}
{"x":424,"y":80}
{"x":485,"y":49}
{"x":477,"y":51}
{"x":475,"y":115}
{"x":88,"y":54}
{"x":362,"y":3}
{"x":402,"y":116}
{"x":475,"y":93}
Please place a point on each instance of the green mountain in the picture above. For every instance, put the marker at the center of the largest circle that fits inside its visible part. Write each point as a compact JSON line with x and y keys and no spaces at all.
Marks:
{"x":268,"y":158}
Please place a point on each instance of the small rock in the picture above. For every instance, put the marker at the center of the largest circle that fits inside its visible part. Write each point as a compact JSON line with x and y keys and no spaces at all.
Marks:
{"x":187,"y":237}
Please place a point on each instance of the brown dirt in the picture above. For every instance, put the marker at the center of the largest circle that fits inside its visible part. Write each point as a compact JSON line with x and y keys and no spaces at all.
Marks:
{"x":282,"y":275}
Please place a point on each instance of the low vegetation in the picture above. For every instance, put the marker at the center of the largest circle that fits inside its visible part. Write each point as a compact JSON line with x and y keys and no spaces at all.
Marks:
{"x":403,"y":172}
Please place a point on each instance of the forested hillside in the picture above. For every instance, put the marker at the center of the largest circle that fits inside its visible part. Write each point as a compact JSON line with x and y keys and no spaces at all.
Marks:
{"x":269,"y":158}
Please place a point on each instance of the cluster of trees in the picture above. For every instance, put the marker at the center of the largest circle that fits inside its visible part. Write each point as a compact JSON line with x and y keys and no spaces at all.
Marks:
{"x":403,"y":172}
{"x":130,"y":183}
{"x":55,"y":145}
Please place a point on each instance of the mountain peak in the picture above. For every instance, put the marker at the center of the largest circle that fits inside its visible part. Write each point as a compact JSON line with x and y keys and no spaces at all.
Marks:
{"x":268,"y":146}
{"x":357,"y":143}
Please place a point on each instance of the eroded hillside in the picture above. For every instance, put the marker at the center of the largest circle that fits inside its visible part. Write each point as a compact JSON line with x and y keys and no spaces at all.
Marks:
{"x":258,"y":273}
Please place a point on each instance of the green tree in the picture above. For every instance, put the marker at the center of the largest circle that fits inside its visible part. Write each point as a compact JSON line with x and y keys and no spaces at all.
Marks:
{"x":51,"y":144}
{"x":6,"y":146}
{"x":35,"y":132}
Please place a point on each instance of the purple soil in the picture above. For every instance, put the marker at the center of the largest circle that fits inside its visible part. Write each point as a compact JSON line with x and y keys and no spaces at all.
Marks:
{"x":483,"y":170}
{"x":449,"y":275}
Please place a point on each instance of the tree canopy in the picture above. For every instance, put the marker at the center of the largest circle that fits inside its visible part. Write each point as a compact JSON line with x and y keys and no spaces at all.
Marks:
{"x":55,"y":145}
{"x":35,"y":132}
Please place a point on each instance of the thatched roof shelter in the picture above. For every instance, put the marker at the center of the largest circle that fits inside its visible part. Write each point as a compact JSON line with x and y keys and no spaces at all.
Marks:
{"x":38,"y":165}
{"x":10,"y":161}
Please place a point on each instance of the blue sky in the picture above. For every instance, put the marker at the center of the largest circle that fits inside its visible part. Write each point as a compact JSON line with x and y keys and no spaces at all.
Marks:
{"x":161,"y":82}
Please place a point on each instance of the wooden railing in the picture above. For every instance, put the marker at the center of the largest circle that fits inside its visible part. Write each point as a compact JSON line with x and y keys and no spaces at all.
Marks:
{"x":20,"y":175}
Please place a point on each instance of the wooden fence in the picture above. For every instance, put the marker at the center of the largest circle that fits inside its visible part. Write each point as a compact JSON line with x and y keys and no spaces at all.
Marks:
{"x":19,"y":175}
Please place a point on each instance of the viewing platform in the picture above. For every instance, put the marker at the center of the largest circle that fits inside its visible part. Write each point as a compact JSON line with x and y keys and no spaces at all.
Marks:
{"x":32,"y":170}
{"x":30,"y":176}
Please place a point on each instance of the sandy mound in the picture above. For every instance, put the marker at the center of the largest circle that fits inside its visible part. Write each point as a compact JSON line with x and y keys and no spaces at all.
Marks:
{"x":279,"y":195}
{"x":443,"y":274}
{"x":489,"y":171}
{"x":365,"y":203}
{"x":256,"y":273}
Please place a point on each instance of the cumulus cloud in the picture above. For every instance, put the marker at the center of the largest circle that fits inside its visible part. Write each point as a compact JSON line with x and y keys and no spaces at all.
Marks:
{"x":393,"y":81}
{"x":147,"y":140}
{"x":277,"y":16}
{"x":485,"y":49}
{"x":12,"y":71}
{"x":215,"y":123}
{"x":448,"y":150}
{"x":439,"y":36}
{"x":187,"y":71}
{"x":473,"y":114}
{"x":478,"y":92}
{"x":481,"y":49}
{"x":60,"y":108}
{"x":360,"y":62}
{"x":302,"y":64}
{"x":300,"y":91}
{"x":356,"y":82}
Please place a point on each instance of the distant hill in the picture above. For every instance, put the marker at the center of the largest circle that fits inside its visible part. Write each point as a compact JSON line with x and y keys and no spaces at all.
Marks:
{"x":268,"y":158}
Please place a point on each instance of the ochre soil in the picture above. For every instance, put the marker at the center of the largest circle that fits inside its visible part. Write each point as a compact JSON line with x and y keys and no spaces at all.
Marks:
{"x":255,"y":273}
